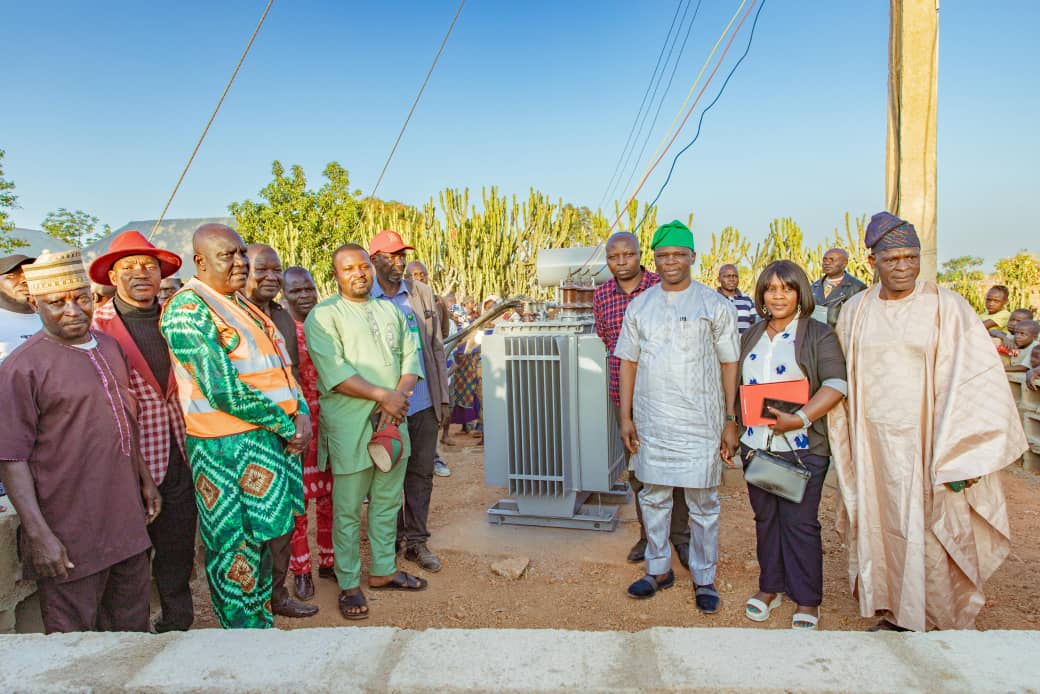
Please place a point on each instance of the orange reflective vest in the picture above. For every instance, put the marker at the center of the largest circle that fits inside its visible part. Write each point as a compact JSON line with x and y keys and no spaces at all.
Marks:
{"x":256,"y":350}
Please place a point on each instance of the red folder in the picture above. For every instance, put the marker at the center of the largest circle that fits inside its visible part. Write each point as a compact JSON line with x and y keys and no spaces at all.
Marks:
{"x":752,"y":396}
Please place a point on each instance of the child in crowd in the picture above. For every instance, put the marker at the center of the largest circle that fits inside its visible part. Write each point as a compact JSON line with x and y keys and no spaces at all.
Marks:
{"x":1026,"y":333}
{"x":996,"y":315}
{"x":1019,"y":314}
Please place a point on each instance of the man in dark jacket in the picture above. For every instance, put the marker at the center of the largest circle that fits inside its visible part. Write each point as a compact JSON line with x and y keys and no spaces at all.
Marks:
{"x":430,"y":400}
{"x":831,"y":291}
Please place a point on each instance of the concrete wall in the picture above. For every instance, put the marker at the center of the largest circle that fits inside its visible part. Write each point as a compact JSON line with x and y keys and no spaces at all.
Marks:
{"x":382,"y":659}
{"x":1028,"y":402}
{"x":13,"y":590}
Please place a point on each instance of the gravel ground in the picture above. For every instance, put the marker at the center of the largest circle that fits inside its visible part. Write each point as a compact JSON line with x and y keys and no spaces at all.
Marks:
{"x":577,"y":578}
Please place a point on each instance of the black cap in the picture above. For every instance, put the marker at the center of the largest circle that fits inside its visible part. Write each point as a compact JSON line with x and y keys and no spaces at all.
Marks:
{"x":10,"y":263}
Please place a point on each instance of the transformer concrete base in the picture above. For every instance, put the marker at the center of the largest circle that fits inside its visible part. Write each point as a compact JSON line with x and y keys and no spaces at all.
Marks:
{"x":590,"y":516}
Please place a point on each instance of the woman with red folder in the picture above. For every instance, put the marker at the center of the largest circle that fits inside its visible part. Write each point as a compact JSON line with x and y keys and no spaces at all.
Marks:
{"x":802,"y":357}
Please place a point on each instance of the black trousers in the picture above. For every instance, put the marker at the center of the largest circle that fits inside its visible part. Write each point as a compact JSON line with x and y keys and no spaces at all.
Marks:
{"x":790,"y":549}
{"x":281,"y":553}
{"x":423,"y":429}
{"x":173,"y":537}
{"x":679,"y":533}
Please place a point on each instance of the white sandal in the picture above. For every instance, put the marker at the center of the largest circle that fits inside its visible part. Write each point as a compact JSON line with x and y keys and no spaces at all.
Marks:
{"x":808,"y":621}
{"x":762,"y":610}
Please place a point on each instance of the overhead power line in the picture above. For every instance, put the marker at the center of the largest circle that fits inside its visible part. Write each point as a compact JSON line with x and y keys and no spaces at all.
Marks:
{"x":417,"y":97}
{"x":651,"y":168}
{"x":751,"y":37}
{"x":660,"y":103}
{"x":213,"y":116}
{"x":616,"y":176}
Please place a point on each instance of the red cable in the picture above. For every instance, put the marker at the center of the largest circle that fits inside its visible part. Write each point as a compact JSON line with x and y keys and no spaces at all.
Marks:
{"x":675,"y":135}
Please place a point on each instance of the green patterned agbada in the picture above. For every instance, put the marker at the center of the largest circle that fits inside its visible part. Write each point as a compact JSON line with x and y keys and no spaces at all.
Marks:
{"x":247,"y":488}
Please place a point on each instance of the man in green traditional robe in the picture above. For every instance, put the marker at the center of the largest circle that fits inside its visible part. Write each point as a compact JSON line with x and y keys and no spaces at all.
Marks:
{"x":368,"y":365}
{"x":246,"y":422}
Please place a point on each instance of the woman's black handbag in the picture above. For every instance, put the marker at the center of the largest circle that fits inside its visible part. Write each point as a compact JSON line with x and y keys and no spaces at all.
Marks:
{"x":771,"y":473}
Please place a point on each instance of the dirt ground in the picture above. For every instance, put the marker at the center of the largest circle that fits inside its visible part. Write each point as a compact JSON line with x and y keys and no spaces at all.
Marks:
{"x":577,"y":578}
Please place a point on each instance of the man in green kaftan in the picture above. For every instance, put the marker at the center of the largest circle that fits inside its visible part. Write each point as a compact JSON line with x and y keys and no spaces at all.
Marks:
{"x":246,"y":423}
{"x":368,"y":365}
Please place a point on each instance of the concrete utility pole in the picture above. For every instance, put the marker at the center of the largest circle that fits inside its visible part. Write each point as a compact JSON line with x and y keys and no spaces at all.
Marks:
{"x":913,"y":68}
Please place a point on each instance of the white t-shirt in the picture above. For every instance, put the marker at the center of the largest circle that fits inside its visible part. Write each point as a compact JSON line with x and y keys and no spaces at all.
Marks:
{"x":16,"y":328}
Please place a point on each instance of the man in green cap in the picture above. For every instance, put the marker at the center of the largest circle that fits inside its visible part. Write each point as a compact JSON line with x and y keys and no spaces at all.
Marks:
{"x":679,"y":349}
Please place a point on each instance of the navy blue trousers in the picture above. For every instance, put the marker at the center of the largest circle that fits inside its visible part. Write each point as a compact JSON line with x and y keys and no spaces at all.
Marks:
{"x":790,"y":549}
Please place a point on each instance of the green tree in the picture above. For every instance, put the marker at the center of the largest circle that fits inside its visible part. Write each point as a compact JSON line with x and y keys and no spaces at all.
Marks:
{"x":75,"y":227}
{"x":8,"y":201}
{"x":963,"y":275}
{"x":303,"y":225}
{"x":1021,"y":275}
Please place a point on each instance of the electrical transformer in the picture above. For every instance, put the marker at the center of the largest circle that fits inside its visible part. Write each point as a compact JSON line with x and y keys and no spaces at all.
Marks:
{"x":550,"y":430}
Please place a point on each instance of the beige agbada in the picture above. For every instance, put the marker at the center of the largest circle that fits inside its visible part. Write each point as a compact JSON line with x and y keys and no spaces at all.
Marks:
{"x":928,"y":404}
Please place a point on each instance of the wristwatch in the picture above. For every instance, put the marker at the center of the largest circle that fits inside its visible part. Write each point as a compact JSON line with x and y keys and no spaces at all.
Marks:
{"x":731,"y":418}
{"x":804,"y":417}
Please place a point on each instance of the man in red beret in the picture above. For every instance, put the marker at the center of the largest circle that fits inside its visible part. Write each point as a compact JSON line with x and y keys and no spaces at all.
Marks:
{"x":135,"y":268}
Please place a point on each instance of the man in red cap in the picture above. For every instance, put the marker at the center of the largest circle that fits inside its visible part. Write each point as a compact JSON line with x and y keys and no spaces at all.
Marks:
{"x":430,"y":401}
{"x":134,"y":267}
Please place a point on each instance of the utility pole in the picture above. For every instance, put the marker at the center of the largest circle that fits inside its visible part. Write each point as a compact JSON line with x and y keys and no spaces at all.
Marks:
{"x":913,"y":68}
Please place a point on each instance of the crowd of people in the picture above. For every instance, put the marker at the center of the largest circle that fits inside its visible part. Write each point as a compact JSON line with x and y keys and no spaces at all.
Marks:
{"x":142,"y":410}
{"x":209,"y":404}
{"x":903,"y":393}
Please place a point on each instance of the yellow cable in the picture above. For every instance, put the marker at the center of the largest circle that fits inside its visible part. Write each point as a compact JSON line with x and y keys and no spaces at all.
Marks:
{"x":697,"y":81}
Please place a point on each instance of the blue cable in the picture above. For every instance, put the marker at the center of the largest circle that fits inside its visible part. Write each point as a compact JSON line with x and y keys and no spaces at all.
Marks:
{"x":700,"y":122}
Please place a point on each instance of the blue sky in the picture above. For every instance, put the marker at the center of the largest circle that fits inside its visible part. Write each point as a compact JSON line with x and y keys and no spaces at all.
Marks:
{"x":103,"y":102}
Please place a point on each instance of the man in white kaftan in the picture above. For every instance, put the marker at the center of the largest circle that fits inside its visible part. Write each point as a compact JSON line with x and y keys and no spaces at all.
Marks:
{"x":679,"y":348}
{"x":928,"y":422}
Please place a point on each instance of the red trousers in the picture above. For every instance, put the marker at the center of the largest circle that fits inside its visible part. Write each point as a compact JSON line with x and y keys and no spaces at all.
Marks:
{"x":300,"y":563}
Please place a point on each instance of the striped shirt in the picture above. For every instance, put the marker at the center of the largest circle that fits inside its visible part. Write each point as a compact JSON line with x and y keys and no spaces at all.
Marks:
{"x":746,"y":314}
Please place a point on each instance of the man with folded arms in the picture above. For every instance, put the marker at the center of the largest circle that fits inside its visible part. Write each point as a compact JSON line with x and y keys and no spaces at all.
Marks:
{"x":368,"y":365}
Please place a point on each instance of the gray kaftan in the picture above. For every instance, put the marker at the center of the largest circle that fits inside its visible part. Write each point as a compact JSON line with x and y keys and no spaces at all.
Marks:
{"x":679,"y":340}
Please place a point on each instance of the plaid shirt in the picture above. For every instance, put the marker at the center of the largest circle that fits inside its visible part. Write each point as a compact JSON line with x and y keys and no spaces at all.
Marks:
{"x":746,"y":314}
{"x":159,"y":416}
{"x":608,"y":305}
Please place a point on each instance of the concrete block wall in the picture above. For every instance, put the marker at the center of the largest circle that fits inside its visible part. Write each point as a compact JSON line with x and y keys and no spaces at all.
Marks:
{"x":446,"y":661}
{"x":13,"y":589}
{"x":1028,"y":403}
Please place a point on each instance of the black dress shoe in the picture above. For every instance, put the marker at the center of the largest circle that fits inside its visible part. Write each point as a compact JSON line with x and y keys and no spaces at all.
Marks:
{"x":303,"y":586}
{"x":683,"y":551}
{"x":421,"y":555}
{"x":327,"y":572}
{"x":293,"y":608}
{"x":638,"y":551}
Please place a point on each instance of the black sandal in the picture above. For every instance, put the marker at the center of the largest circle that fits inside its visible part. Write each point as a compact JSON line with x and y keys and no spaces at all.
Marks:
{"x":355,"y":600}
{"x":403,"y":581}
{"x":647,"y":586}
{"x":885,"y":625}
{"x":707,"y":599}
